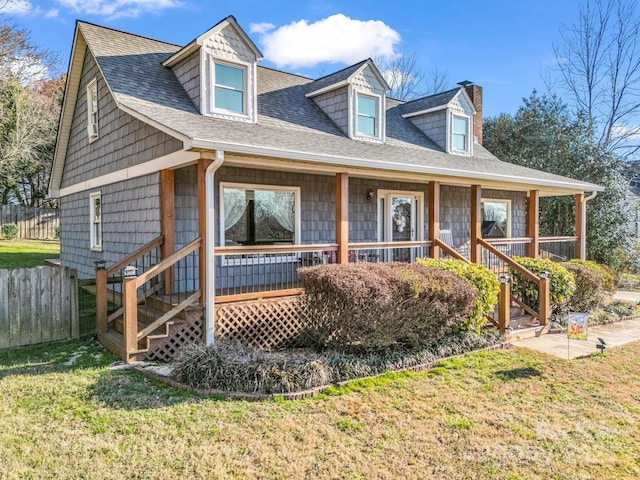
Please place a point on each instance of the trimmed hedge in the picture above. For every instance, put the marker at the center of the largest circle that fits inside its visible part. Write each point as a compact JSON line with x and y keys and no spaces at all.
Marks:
{"x":562,"y":284}
{"x":589,"y":292}
{"x":483,"y":280}
{"x":608,"y":277}
{"x":374,"y":306}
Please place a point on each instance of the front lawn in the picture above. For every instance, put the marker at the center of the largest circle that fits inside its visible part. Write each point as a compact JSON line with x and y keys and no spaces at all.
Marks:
{"x":504,"y":414}
{"x":20,"y":253}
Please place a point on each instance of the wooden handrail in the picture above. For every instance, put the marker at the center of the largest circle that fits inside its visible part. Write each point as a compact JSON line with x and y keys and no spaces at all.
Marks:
{"x":383,"y":245}
{"x":256,"y":249}
{"x":557,"y":239}
{"x":168,"y":316}
{"x":447,"y":249}
{"x":501,"y":241}
{"x":509,"y":261}
{"x":168,"y":262}
{"x":138,"y":253}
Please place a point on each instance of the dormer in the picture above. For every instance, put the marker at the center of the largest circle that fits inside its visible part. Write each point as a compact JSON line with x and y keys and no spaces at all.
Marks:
{"x":355,"y":99}
{"x":446,"y":118}
{"x":218,"y":71}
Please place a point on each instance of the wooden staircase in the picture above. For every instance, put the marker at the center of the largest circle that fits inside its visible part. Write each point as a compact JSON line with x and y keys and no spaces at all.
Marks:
{"x":152,"y":309}
{"x":523,"y":325}
{"x":142,"y":310}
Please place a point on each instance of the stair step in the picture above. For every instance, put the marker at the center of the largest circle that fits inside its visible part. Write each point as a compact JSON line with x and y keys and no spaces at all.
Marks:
{"x":118,"y":326}
{"x":522,"y":333}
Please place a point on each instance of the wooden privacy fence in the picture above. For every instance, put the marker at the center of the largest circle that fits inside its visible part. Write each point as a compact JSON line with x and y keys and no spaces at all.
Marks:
{"x":38,"y":305}
{"x":33,"y":223}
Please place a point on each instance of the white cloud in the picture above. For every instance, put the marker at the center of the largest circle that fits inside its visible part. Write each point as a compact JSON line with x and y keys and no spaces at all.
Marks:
{"x":261,"y":28}
{"x":337,"y":39}
{"x":15,"y":7}
{"x":118,"y":8}
{"x":53,"y":13}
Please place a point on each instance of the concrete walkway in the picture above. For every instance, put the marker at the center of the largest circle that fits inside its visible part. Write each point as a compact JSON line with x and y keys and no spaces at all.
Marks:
{"x":614,"y":335}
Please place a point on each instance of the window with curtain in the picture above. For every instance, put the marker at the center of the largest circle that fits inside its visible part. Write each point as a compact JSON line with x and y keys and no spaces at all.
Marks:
{"x":259,"y":215}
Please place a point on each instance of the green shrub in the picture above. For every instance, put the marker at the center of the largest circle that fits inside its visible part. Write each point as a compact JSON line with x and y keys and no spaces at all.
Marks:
{"x":608,"y":276}
{"x":589,"y":291}
{"x":561,"y":282}
{"x":9,"y":231}
{"x":483,"y":280}
{"x":367,"y":306}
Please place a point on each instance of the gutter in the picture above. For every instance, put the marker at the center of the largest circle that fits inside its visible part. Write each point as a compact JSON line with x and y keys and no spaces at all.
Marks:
{"x":199,"y":143}
{"x":210,"y":290}
{"x":583,"y":226}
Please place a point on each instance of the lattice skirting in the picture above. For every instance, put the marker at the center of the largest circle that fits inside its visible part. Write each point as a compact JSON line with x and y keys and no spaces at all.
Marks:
{"x":267,"y":323}
{"x":188,"y":331}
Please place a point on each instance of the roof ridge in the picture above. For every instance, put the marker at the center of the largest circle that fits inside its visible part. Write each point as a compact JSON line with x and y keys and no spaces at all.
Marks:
{"x":432,"y":95}
{"x":78,"y":22}
{"x":342,"y":69}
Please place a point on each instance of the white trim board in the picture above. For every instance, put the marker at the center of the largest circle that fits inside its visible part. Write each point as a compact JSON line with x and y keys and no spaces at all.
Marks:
{"x":171,"y":160}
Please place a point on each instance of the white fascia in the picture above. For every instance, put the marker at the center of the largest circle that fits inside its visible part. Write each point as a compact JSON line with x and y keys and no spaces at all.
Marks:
{"x":344,"y":162}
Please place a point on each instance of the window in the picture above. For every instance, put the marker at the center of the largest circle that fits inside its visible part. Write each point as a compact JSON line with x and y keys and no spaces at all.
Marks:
{"x":95,"y":212}
{"x":259,"y":214}
{"x":229,"y":88}
{"x":460,"y":133}
{"x":496,"y":218}
{"x":367,"y":116}
{"x":92,"y":110}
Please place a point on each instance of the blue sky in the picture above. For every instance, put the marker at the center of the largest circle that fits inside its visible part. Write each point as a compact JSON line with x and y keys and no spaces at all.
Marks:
{"x":504,"y":46}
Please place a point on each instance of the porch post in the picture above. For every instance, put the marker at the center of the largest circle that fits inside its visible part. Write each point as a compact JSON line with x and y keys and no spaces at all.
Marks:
{"x":434,"y":217}
{"x":203,"y":163}
{"x":533,"y":222}
{"x":342,"y":217}
{"x":167,"y":224}
{"x":580,"y":227}
{"x":476,"y":223}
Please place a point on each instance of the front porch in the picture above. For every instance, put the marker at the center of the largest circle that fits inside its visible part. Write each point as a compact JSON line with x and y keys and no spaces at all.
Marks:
{"x":254,"y":286}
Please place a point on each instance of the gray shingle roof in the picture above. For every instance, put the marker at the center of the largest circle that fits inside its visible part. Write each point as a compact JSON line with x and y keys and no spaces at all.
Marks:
{"x":287,"y":120}
{"x":432,"y":101}
{"x":337,"y":77}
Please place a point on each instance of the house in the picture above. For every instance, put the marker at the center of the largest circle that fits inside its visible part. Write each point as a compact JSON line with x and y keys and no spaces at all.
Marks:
{"x":194,"y":182}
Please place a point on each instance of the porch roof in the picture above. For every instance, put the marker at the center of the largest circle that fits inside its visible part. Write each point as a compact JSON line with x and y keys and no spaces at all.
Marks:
{"x":290,"y":125}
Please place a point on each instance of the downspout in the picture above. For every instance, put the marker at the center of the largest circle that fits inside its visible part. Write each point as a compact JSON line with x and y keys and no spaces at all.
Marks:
{"x":583,"y":227}
{"x":210,"y":289}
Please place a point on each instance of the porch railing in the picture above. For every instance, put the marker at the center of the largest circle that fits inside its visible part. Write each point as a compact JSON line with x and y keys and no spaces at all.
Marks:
{"x":109,"y":292}
{"x":174,"y":280}
{"x":511,"y":247}
{"x":376,"y":252}
{"x":558,"y":249}
{"x":262,"y":271}
{"x":544,"y":309}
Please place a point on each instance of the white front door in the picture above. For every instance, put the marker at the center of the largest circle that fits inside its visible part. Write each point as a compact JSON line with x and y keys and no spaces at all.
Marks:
{"x":400,"y":215}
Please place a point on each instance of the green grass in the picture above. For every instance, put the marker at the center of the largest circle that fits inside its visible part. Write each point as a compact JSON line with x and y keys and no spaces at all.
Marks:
{"x":65,"y":413}
{"x":27,"y":253}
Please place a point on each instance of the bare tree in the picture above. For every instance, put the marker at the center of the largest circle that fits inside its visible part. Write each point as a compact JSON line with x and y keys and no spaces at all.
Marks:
{"x":598,"y":58}
{"x":408,"y":81}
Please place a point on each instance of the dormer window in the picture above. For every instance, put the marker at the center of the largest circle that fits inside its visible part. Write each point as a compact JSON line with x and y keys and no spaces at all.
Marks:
{"x":367,"y":117}
{"x":460,"y":133}
{"x":229,"y":88}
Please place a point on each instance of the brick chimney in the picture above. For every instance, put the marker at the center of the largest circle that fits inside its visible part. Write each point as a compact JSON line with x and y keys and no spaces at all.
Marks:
{"x":475,"y":94}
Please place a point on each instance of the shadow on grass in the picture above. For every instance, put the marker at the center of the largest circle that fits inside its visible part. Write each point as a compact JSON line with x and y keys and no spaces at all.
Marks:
{"x":516,"y":373}
{"x":24,"y":260}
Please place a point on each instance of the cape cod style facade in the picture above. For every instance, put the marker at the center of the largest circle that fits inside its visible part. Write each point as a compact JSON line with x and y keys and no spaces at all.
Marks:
{"x":194,"y":182}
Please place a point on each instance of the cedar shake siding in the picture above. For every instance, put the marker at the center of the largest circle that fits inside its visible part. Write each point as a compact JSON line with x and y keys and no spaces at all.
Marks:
{"x":187,"y":71}
{"x":455,"y":211}
{"x":130,"y":218}
{"x":336,"y":105}
{"x":122,"y":140}
{"x":434,"y":125}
